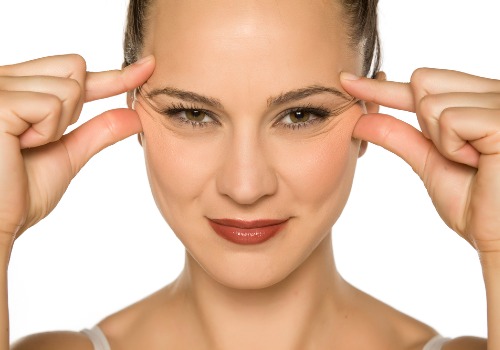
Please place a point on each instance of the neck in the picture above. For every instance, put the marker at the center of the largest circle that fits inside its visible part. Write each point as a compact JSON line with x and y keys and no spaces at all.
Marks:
{"x":286,"y":315}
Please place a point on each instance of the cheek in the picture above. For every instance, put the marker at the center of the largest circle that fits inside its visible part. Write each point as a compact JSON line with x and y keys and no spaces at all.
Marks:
{"x":318,"y":172}
{"x":179,"y":167}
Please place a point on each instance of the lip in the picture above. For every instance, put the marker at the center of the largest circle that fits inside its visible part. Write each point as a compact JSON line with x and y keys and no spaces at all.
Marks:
{"x":247,"y":232}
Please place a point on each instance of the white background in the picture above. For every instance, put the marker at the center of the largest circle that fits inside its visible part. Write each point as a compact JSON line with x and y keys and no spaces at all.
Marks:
{"x":106,"y":246}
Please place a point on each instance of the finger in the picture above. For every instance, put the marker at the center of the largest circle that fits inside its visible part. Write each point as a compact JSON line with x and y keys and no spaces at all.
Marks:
{"x":430,"y":108}
{"x":425,"y":81}
{"x":63,"y":66}
{"x":36,"y":122}
{"x":386,"y":93}
{"x":67,"y":90}
{"x":467,"y":132}
{"x":397,"y":137}
{"x":98,"y":133}
{"x":106,"y":84}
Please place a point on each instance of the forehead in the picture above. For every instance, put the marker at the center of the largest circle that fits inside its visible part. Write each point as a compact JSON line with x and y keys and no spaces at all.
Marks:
{"x":263,"y":44}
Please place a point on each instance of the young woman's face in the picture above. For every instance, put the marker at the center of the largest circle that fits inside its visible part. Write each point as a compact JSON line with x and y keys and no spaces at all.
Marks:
{"x":246,"y":153}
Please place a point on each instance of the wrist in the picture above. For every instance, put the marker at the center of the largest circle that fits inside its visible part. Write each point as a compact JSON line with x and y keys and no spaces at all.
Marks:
{"x":490,"y":260}
{"x":6,"y":243}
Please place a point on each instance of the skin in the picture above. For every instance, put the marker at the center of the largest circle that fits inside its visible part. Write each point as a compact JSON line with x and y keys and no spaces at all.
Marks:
{"x":268,"y":172}
{"x":286,"y":292}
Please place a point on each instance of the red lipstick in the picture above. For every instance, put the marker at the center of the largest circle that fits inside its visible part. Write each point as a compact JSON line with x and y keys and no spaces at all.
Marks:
{"x":247,"y":232}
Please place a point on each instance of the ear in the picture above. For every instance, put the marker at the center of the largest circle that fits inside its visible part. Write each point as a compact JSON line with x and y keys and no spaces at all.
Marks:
{"x":362,"y":148}
{"x":371,"y":108}
{"x":130,"y":105}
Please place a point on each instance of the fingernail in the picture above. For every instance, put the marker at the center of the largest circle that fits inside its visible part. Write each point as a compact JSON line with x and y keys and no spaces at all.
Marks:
{"x":143,"y":60}
{"x":348,"y":76}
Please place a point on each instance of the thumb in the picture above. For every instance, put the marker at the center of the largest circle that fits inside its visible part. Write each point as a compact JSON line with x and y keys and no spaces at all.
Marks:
{"x":395,"y":136}
{"x":98,"y":133}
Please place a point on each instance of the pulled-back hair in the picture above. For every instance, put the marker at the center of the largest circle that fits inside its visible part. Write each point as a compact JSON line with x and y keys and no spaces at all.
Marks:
{"x":361,"y":15}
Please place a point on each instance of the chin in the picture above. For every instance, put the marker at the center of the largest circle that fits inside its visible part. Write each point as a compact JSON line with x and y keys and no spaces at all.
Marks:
{"x":251,"y":269}
{"x":252,"y":280}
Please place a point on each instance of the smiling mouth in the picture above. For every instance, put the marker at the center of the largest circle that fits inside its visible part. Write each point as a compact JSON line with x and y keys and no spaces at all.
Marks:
{"x":247,"y":232}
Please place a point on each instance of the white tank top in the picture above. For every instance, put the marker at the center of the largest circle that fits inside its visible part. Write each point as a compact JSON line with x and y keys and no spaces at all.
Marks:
{"x":100,"y":342}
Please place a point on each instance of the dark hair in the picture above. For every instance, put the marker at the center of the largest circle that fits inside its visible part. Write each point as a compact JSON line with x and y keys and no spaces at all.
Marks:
{"x":361,"y":16}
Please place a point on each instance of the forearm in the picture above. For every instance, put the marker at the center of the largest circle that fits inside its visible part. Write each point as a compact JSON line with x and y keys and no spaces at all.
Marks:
{"x":490,"y":263}
{"x":4,"y":311}
{"x":5,"y":250}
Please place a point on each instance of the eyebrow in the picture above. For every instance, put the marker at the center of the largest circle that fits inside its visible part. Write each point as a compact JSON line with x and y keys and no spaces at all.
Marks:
{"x":285,"y":97}
{"x":302,"y":93}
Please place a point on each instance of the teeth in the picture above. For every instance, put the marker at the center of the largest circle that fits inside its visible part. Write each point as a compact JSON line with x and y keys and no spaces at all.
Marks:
{"x":248,"y":234}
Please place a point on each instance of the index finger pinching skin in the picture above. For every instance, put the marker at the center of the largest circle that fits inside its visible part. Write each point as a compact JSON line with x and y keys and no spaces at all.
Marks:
{"x":106,"y":84}
{"x":385,"y":93}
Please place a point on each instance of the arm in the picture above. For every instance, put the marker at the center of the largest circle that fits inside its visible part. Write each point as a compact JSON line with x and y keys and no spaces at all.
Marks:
{"x":456,"y":154}
{"x":5,"y":247}
{"x":490,"y":263}
{"x":39,"y":99}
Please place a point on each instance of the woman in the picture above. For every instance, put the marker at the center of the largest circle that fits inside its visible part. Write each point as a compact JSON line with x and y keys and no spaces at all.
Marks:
{"x":223,"y":165}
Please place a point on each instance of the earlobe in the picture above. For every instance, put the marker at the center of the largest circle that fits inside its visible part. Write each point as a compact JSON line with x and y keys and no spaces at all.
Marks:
{"x":130,"y":100}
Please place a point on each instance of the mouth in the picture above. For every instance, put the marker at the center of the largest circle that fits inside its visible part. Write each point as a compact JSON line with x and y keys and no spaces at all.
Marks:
{"x":247,"y":232}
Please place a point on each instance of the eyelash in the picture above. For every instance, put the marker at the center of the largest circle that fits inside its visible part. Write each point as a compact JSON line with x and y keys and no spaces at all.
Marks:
{"x":320,"y":115}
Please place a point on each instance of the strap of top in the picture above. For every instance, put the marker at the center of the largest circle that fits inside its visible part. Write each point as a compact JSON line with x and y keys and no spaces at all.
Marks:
{"x":100,"y":342}
{"x":97,"y":338}
{"x":436,"y":343}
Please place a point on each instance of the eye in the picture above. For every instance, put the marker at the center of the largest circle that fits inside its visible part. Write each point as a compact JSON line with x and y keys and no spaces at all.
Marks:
{"x":302,"y":117}
{"x":195,"y":115}
{"x":298,"y":116}
{"x":191,"y":115}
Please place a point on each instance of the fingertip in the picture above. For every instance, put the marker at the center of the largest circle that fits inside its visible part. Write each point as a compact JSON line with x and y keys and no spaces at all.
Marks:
{"x":125,"y":122}
{"x":144,"y":64}
{"x":144,"y":61}
{"x":139,"y":72}
{"x":348,"y":77}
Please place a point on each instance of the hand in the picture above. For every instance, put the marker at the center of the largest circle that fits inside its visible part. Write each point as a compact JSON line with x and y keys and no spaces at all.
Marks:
{"x":39,"y":99}
{"x":457,"y":153}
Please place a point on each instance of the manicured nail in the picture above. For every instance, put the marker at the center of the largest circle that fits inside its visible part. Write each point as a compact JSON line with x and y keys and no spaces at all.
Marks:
{"x":348,"y":76}
{"x":143,"y":60}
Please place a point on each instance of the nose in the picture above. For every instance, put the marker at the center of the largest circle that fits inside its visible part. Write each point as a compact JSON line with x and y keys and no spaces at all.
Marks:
{"x":246,"y":175}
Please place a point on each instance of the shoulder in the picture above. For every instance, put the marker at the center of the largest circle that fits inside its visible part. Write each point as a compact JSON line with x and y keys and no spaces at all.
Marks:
{"x":466,"y":343}
{"x":54,"y":341}
{"x":461,"y":343}
{"x":404,"y":332}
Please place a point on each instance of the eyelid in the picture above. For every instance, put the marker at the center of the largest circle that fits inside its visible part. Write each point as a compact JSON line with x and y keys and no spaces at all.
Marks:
{"x":182,"y":106}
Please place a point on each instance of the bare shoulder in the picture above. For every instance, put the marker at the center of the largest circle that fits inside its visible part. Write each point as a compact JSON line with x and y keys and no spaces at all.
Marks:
{"x":466,"y":343}
{"x":54,"y":341}
{"x":404,"y":331}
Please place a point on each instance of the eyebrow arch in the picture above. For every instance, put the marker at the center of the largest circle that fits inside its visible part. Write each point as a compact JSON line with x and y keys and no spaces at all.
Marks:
{"x":188,"y":96}
{"x":285,"y":97}
{"x":302,"y":93}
